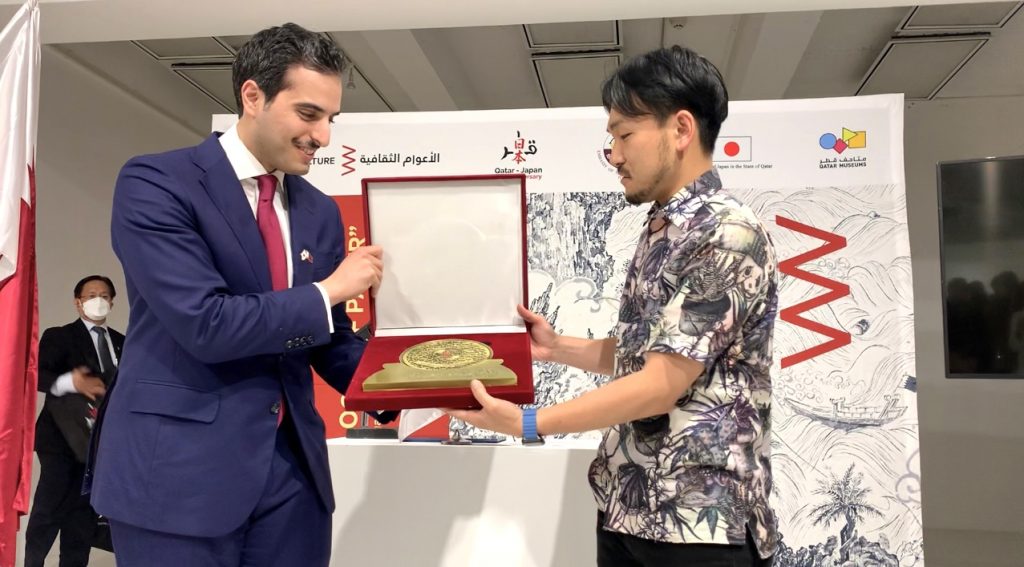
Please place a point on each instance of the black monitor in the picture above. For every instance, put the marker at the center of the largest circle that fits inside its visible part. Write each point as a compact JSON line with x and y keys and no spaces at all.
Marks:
{"x":981,"y":251}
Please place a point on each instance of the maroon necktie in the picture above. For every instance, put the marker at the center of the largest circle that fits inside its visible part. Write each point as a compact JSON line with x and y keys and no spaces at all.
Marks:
{"x":270,"y":231}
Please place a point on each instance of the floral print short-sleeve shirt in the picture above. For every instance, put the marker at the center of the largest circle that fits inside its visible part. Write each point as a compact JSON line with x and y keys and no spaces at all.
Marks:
{"x":703,"y":285}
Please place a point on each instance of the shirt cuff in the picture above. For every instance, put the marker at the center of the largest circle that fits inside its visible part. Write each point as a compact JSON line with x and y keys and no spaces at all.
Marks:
{"x":327,"y":304}
{"x":63,"y":385}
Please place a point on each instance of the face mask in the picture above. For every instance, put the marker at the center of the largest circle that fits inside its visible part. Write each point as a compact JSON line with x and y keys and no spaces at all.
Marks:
{"x":96,"y":308}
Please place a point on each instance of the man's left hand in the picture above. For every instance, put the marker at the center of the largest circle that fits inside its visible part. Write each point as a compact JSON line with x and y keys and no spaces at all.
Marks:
{"x":495,"y":415}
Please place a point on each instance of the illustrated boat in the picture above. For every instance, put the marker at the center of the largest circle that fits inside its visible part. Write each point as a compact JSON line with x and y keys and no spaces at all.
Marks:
{"x":851,"y":417}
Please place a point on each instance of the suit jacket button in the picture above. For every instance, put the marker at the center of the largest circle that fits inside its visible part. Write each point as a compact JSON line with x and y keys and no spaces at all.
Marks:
{"x":275,"y":408}
{"x":289,"y":344}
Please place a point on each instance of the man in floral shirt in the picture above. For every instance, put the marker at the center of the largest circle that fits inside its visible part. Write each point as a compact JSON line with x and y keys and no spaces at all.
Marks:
{"x":683,"y":474}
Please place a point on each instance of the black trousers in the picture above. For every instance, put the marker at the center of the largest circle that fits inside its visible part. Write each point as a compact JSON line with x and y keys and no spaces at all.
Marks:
{"x":623,"y":550}
{"x":59,"y":506}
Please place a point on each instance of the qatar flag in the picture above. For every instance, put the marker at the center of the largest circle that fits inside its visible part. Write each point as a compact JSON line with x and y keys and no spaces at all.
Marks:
{"x":19,"y":327}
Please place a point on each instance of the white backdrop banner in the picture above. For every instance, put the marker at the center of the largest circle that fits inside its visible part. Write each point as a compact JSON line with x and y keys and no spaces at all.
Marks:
{"x":825,"y":175}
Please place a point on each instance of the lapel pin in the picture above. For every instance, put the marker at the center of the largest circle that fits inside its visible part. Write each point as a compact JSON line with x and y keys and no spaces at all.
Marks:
{"x":305,"y":256}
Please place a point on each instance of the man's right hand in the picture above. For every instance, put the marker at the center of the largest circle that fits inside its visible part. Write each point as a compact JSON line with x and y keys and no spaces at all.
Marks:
{"x":87,"y":384}
{"x":361,"y":269}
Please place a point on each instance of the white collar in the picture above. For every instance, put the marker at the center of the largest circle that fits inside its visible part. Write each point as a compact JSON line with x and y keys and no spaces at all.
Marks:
{"x":241,"y":159}
{"x":89,"y":325}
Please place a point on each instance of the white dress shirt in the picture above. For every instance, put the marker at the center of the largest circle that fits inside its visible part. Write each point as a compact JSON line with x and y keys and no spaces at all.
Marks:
{"x":65,"y":384}
{"x":247,"y":168}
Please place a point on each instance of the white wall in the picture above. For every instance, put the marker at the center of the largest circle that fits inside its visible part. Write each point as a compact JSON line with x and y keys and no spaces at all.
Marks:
{"x":972,"y":438}
{"x":88,"y":128}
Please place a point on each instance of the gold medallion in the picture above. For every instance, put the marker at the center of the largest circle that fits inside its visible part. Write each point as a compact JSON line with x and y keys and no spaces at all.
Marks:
{"x":442,"y":363}
{"x":445,"y":353}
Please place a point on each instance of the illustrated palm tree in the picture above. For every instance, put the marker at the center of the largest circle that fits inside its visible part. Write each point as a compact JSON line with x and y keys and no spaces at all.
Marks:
{"x":846,"y":499}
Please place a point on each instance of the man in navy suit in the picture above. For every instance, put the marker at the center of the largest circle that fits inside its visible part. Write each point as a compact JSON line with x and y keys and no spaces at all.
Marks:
{"x":211,"y":451}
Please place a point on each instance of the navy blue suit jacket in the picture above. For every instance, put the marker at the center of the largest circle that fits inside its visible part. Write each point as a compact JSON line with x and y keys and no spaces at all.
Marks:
{"x":189,"y":430}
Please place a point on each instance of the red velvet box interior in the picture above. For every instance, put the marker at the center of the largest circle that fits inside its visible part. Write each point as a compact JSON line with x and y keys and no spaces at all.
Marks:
{"x":512,"y":348}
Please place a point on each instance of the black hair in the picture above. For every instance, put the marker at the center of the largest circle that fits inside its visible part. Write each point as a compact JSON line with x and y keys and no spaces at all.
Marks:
{"x":664,"y":81}
{"x":95,"y":278}
{"x":268,"y":55}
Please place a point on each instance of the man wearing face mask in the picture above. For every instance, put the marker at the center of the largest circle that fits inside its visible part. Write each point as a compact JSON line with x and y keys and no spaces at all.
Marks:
{"x":76,"y":365}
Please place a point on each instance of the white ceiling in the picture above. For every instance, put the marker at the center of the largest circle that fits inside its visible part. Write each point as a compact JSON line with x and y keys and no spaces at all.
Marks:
{"x":67,"y":21}
{"x":762,"y":55}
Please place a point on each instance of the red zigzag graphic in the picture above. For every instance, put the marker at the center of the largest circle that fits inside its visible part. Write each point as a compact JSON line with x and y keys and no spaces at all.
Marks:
{"x":794,"y":314}
{"x":349,"y":160}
